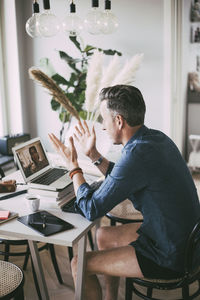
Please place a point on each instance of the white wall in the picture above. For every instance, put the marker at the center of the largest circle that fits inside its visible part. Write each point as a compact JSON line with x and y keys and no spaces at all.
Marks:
{"x":140,"y":31}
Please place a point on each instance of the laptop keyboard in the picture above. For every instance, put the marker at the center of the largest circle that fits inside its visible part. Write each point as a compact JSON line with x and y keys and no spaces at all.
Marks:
{"x":50,"y":176}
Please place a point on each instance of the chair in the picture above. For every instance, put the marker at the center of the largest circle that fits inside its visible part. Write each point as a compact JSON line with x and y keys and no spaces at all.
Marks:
{"x":1,"y":173}
{"x":11,"y":281}
{"x":124,"y":213}
{"x":7,"y":253}
{"x":183,"y":283}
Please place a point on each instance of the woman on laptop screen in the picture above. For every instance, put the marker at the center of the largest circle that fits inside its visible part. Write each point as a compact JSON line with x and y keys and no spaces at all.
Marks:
{"x":37,"y":164}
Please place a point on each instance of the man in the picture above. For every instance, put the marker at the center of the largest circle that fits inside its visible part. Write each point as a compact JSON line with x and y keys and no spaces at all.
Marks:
{"x":153,"y":175}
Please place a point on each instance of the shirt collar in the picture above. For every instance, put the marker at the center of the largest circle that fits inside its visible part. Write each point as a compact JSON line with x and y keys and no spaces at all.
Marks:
{"x":140,"y":132}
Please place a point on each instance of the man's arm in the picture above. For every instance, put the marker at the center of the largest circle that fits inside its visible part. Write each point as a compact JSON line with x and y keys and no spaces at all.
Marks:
{"x":126,"y":178}
{"x":100,"y":162}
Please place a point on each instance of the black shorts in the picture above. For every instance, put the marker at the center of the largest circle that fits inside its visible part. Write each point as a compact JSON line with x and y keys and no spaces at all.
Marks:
{"x":151,"y":270}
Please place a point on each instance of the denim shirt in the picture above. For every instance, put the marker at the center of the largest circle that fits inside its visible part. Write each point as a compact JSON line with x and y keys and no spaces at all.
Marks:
{"x":153,"y":175}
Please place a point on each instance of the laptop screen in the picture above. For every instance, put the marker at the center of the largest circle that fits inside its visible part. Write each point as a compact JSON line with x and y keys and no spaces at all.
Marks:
{"x":31,"y":158}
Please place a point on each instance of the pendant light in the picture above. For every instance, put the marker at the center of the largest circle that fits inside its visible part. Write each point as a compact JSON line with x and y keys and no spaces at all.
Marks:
{"x":48,"y":22}
{"x":109,"y":22}
{"x":92,"y":21}
{"x":32,"y":22}
{"x":72,"y":24}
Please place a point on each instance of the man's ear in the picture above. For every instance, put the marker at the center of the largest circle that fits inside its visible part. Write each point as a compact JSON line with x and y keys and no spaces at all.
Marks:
{"x":120,"y":121}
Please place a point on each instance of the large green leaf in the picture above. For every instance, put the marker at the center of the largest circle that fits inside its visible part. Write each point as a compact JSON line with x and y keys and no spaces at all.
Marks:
{"x":70,"y":60}
{"x":76,"y":43}
{"x":64,"y":117}
{"x":89,"y":48}
{"x":73,"y":79}
{"x":110,"y":52}
{"x":59,"y":79}
{"x":83,"y":114}
{"x":54,"y":104}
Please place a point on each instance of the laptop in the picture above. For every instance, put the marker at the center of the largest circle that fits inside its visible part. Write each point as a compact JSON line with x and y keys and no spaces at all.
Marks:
{"x":36,"y":169}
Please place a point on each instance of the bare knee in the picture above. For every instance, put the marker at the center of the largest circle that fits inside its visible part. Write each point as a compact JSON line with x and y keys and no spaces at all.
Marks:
{"x":103,"y":238}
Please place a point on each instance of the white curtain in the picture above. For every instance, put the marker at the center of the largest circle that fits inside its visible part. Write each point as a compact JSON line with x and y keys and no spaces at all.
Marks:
{"x":10,"y":93}
{"x":3,"y":125}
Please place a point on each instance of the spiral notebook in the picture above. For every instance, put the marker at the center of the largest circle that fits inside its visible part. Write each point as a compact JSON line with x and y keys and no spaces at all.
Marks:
{"x":45,"y":223}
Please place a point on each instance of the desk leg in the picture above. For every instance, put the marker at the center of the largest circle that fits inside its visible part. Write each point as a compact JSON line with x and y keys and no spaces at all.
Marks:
{"x":81,"y":268}
{"x":38,"y":270}
{"x":98,"y":223}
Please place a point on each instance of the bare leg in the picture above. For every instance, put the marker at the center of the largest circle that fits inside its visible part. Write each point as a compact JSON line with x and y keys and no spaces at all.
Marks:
{"x":93,"y":290}
{"x":118,"y":261}
{"x":112,"y":237}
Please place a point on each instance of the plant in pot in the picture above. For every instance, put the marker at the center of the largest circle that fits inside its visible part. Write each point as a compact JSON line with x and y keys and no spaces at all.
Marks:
{"x":74,"y":87}
{"x":77,"y":96}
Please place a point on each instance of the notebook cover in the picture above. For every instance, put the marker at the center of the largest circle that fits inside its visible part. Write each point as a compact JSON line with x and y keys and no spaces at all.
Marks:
{"x":4,"y":214}
{"x":45,"y":223}
{"x":11,"y":216}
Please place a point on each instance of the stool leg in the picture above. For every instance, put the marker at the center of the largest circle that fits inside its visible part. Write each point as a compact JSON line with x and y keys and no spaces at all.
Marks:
{"x":20,"y":295}
{"x":35,"y":281}
{"x":54,"y":261}
{"x":128,"y":289}
{"x":149,"y":292}
{"x":185,"y":292}
{"x":26,"y":258}
{"x":90,"y":240}
{"x":112,"y":222}
{"x":7,"y":250}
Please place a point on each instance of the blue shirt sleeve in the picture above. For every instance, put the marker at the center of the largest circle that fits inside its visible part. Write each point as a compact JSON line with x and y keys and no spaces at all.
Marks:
{"x":125,"y":178}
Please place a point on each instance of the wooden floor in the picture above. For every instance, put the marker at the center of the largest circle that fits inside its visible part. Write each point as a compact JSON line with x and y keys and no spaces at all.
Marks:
{"x":66,"y":290}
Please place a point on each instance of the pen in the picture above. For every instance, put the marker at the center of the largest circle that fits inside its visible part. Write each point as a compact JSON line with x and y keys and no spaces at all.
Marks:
{"x":44,"y":221}
{"x":13,"y":195}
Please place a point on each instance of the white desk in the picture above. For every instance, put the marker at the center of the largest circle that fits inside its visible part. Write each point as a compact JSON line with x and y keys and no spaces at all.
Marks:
{"x":78,"y":235}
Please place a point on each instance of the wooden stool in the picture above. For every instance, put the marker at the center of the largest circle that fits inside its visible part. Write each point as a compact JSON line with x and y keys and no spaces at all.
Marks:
{"x":11,"y":281}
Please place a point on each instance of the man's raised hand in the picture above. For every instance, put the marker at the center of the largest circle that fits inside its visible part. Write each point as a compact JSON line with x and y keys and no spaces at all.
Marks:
{"x":85,"y":137}
{"x":68,"y":153}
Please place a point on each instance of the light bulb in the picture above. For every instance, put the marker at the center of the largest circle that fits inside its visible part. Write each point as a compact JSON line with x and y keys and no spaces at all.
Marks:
{"x":72,"y":24}
{"x":92,"y":21}
{"x":48,"y":23}
{"x":109,"y":22}
{"x":32,"y":22}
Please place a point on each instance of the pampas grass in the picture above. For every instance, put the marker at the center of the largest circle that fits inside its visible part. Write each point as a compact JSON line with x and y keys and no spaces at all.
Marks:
{"x":127,"y":74}
{"x":110,"y":72}
{"x":112,"y":76}
{"x":93,"y":78}
{"x":54,"y":90}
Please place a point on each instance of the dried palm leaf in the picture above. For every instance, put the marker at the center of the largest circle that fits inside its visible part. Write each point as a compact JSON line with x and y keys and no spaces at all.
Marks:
{"x":55,"y":91}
